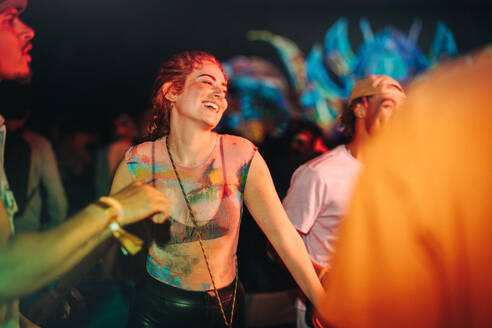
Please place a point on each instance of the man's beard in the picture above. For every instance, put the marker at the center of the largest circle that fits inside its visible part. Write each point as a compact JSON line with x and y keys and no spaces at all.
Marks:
{"x":16,"y":97}
{"x":23,"y":79}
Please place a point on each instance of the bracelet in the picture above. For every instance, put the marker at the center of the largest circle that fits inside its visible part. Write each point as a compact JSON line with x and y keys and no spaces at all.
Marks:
{"x":113,"y":208}
{"x":111,"y":212}
{"x":110,"y":201}
{"x":114,"y":212}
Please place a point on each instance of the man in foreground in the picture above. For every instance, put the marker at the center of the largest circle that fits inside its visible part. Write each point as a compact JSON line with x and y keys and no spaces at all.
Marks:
{"x":415,"y":247}
{"x":32,"y":260}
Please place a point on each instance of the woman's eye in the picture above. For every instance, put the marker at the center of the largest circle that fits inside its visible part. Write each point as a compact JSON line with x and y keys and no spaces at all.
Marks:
{"x":207,"y":82}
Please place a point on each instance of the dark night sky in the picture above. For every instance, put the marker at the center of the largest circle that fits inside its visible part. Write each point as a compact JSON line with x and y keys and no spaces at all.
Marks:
{"x":93,"y":56}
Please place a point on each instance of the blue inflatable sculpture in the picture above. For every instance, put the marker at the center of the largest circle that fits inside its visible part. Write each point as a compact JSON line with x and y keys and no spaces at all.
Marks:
{"x":322,"y":81}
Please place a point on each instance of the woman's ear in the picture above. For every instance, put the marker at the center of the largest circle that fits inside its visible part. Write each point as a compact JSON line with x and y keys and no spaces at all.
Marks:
{"x":168,"y":91}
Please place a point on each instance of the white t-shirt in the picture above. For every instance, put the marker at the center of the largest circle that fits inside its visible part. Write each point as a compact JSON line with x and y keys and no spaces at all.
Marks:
{"x":317,"y":199}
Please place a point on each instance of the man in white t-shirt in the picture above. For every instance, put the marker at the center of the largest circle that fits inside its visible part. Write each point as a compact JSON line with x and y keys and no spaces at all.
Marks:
{"x":321,"y":188}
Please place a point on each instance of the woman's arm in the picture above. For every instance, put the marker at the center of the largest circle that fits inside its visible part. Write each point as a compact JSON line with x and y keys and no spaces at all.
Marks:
{"x":31,"y":260}
{"x":265,"y":207}
{"x":122,"y":178}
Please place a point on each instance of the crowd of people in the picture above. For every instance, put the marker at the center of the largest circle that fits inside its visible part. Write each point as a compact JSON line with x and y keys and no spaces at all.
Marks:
{"x":388,"y":228}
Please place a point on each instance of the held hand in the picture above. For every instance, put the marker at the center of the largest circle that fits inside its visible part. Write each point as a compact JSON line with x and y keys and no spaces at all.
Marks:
{"x":320,"y":317}
{"x":317,"y":322}
{"x":140,"y":201}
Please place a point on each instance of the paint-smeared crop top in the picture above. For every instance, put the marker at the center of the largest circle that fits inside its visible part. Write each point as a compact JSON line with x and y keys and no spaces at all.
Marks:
{"x":215,"y":191}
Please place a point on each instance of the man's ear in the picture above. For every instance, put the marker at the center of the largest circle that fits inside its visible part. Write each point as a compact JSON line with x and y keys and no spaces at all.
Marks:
{"x":169,"y":92}
{"x":359,"y":111}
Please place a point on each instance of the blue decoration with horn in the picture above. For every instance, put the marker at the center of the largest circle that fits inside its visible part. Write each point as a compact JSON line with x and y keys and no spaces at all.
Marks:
{"x":324,"y":79}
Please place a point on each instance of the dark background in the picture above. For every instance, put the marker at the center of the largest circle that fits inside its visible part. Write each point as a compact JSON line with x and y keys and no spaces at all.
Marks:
{"x":94,"y":57}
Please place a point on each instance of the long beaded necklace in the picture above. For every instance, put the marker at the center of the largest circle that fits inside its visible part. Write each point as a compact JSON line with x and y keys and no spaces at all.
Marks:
{"x":195,"y":223}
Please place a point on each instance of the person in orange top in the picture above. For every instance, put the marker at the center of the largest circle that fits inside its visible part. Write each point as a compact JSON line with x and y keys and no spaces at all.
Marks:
{"x":415,"y":248}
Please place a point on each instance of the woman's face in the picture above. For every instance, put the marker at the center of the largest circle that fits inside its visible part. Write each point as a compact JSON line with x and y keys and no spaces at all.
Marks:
{"x":203,"y":98}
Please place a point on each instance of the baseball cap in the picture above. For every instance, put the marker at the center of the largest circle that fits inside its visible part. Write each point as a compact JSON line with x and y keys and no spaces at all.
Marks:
{"x":374,"y":85}
{"x":19,"y":4}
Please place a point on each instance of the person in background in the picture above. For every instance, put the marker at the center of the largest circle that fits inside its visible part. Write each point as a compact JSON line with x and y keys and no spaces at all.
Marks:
{"x":320,"y":189}
{"x":32,"y":167}
{"x":107,"y":159}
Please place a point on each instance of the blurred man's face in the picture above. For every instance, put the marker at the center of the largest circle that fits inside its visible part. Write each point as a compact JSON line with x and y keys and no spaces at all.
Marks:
{"x":302,"y":142}
{"x":380,"y":109}
{"x":15,"y":37}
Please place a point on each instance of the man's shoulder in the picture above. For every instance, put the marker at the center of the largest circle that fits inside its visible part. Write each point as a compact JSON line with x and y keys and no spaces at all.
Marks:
{"x":334,"y":158}
{"x":36,"y":140}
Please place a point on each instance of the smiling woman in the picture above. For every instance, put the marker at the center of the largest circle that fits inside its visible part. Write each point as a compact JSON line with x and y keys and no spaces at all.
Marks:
{"x":192,"y":276}
{"x":174,"y":72}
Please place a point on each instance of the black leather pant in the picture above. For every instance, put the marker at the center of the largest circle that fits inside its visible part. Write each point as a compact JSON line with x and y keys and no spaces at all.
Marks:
{"x":157,"y":305}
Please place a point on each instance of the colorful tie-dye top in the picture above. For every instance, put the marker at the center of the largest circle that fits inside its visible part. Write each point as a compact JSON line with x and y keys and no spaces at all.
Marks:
{"x":215,"y":191}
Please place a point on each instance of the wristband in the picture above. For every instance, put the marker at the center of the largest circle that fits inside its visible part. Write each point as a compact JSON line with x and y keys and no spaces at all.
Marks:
{"x":114,"y":212}
{"x":116,"y":205}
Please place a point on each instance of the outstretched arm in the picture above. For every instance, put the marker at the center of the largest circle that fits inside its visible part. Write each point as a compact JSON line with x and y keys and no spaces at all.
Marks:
{"x":265,"y":207}
{"x":31,"y":260}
